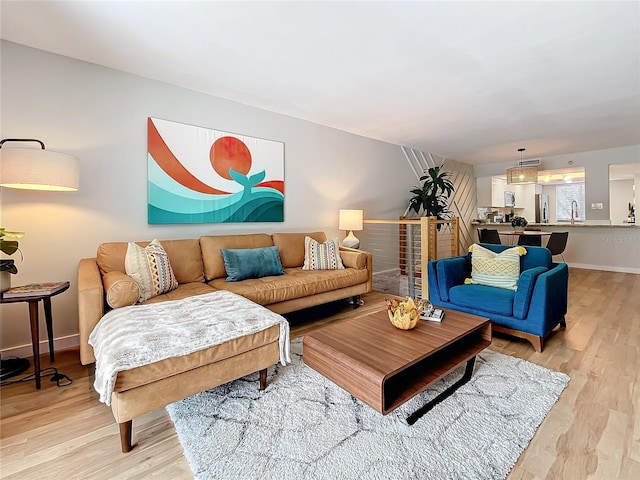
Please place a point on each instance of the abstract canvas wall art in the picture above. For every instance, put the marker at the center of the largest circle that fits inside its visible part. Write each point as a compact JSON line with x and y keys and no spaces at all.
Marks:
{"x":200,"y":175}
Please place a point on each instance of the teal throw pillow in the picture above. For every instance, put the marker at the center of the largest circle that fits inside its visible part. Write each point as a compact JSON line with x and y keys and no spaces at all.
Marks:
{"x":251,"y":263}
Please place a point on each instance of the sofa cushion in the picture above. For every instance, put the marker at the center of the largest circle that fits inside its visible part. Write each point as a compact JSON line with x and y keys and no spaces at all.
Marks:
{"x":483,"y":299}
{"x":251,"y":263}
{"x":120,"y":289}
{"x":184,"y":290}
{"x":322,"y":256}
{"x":184,"y":255}
{"x":292,"y":246}
{"x":212,"y":257}
{"x":150,"y":269}
{"x":295,"y":283}
{"x":500,"y":270}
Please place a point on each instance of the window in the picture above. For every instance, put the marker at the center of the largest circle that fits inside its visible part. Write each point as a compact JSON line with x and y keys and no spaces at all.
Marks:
{"x":565,"y":195}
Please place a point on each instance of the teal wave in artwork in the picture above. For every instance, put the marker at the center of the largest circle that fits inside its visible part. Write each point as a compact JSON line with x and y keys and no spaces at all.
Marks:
{"x":170,"y":202}
{"x":270,"y":211}
{"x":263,"y":205}
{"x":165,"y":200}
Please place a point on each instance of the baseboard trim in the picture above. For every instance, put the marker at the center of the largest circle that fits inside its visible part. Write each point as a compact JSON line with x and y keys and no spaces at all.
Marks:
{"x":606,"y":268}
{"x":60,"y":343}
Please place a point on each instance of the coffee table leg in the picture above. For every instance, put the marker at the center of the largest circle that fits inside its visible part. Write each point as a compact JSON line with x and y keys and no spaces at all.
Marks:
{"x":468,"y":371}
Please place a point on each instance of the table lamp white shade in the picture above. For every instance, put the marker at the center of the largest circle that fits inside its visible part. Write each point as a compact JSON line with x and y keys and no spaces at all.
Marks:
{"x":350,"y":220}
{"x":38,"y":169}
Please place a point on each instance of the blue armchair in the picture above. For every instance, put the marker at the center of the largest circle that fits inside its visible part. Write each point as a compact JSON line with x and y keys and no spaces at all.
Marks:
{"x":537,"y":306}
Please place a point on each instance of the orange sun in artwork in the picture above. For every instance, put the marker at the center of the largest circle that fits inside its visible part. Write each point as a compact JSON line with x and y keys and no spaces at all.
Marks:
{"x":229,"y":152}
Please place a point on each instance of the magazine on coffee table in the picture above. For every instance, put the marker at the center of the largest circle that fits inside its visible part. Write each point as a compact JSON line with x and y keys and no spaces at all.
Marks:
{"x":432,"y":314}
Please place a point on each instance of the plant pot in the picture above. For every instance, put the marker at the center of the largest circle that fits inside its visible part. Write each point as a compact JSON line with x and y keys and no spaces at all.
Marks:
{"x":5,"y":281}
{"x":519,"y":229}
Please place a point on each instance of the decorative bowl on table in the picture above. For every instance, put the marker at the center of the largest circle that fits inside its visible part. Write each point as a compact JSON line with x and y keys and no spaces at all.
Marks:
{"x":404,"y":314}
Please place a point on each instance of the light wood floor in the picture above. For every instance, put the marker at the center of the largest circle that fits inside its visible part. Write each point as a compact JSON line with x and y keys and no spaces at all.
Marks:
{"x":592,"y":432}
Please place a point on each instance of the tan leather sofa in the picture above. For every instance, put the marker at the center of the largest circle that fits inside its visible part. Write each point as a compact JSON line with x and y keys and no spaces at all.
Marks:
{"x":199,"y":268}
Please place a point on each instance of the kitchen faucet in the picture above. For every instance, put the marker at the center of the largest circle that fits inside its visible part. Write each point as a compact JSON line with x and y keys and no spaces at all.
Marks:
{"x":574,"y":212}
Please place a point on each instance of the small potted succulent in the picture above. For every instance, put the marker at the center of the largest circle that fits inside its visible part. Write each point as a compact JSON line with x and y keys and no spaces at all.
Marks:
{"x":7,"y":265}
{"x":518,"y":223}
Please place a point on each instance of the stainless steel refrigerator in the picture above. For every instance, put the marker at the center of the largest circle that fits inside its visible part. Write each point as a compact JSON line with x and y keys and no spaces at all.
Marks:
{"x":542,"y":208}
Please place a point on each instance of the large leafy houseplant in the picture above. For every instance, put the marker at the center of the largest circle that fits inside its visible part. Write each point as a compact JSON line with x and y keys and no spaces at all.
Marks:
{"x":433,"y":196}
{"x":9,"y":247}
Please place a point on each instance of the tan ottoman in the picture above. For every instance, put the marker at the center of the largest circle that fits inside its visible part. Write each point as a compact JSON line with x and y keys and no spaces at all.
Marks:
{"x":144,"y":389}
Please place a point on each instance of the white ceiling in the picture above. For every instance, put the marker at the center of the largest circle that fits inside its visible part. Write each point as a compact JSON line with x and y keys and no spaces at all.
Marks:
{"x":473,"y":81}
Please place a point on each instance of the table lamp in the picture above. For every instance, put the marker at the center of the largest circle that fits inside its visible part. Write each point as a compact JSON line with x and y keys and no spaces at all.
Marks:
{"x":350,"y":220}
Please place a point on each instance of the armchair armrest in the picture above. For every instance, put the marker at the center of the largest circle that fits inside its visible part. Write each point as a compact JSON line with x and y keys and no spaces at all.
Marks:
{"x":449,"y":273}
{"x":522,"y":298}
{"x":549,"y":299}
{"x":90,"y":305}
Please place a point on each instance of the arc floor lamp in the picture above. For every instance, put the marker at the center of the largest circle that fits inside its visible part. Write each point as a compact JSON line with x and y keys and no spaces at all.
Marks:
{"x":34,"y":169}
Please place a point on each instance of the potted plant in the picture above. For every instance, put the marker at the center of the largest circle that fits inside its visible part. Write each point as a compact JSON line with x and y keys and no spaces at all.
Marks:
{"x":7,"y":265}
{"x":518,"y":223}
{"x":433,"y":196}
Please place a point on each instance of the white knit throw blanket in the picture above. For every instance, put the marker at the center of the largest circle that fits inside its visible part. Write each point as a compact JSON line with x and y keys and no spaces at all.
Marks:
{"x":131,"y":337}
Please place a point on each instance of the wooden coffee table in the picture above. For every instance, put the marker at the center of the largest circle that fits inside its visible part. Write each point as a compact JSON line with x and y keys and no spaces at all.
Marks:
{"x":384,"y":366}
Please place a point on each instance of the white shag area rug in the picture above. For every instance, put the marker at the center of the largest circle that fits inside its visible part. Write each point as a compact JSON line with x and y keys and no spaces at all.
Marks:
{"x":303,"y":426}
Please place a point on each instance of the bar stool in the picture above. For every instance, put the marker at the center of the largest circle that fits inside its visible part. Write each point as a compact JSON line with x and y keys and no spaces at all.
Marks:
{"x":530,"y":240}
{"x":557,"y":243}
{"x":486,"y":235}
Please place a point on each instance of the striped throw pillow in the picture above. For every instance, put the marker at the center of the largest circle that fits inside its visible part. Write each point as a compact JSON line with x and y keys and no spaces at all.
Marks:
{"x":500,"y":270}
{"x":322,"y":256}
{"x":150,"y":268}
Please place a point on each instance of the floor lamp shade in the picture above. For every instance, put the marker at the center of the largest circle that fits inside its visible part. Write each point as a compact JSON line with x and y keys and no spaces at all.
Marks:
{"x":350,"y":220}
{"x":38,"y":169}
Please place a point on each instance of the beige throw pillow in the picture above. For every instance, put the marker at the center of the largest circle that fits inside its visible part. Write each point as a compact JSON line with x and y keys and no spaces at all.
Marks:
{"x":322,"y":256}
{"x":150,"y":268}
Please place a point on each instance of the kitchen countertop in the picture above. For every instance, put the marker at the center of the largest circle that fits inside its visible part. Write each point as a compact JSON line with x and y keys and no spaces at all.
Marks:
{"x":561,"y":224}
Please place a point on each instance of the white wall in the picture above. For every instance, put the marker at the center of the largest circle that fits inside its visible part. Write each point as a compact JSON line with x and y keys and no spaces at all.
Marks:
{"x":100,"y":115}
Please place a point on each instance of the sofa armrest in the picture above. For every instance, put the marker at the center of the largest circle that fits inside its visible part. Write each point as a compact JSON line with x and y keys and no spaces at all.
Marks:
{"x":90,"y":305}
{"x":449,"y":273}
{"x":526,"y":283}
{"x":354,"y":258}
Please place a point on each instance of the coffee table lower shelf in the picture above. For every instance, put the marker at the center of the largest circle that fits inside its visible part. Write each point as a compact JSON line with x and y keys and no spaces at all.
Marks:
{"x":377,"y":371}
{"x":468,"y":372}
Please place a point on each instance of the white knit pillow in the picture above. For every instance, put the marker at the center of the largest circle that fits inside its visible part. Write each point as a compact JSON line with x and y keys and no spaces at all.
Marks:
{"x":322,"y":256}
{"x":150,"y":268}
